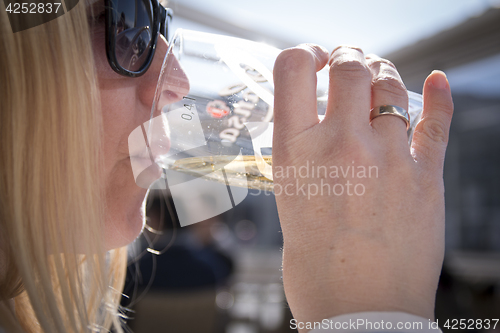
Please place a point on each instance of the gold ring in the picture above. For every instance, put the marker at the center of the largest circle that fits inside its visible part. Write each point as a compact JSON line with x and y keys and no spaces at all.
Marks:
{"x":390,"y":110}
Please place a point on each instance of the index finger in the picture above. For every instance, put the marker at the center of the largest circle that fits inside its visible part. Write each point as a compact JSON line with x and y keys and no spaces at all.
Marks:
{"x":295,"y":89}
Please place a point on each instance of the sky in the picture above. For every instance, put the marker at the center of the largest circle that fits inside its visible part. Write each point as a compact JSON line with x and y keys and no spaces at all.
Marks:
{"x":377,"y":27}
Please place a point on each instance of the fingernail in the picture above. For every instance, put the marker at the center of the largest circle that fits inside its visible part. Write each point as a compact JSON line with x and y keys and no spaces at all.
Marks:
{"x":439,"y":81}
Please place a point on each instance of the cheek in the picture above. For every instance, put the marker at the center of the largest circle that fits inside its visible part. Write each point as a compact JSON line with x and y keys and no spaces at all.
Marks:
{"x":124,"y":198}
{"x":103,"y":68}
{"x":124,"y":203}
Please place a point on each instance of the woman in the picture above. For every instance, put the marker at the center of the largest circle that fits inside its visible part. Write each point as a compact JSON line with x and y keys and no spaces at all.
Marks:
{"x":69,"y":203}
{"x":67,"y":186}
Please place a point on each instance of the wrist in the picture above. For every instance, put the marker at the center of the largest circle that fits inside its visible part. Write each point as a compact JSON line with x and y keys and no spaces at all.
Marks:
{"x":318,"y":288}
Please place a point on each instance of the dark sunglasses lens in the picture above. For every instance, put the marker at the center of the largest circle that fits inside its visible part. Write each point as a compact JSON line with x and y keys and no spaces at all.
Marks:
{"x":134,"y":33}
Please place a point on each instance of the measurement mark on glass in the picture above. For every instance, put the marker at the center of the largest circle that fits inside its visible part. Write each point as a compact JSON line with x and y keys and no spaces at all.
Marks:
{"x":228,"y":187}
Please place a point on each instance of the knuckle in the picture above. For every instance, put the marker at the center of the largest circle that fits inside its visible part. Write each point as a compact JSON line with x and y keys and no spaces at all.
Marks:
{"x":390,"y":85}
{"x":434,"y":130}
{"x":387,"y":62}
{"x":431,"y":154}
{"x":349,"y":68}
{"x":377,"y":61}
{"x":293,"y":60}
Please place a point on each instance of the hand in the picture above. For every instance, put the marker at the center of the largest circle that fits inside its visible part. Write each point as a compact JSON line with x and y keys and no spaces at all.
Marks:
{"x":378,"y":245}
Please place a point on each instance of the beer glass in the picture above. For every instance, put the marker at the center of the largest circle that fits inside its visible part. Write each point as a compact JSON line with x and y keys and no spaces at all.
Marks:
{"x":220,"y":126}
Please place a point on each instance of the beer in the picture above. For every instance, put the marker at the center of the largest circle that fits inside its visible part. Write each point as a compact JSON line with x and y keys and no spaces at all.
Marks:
{"x":206,"y":166}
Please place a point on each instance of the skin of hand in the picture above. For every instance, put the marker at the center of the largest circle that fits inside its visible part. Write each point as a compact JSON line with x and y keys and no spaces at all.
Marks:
{"x":381,"y":250}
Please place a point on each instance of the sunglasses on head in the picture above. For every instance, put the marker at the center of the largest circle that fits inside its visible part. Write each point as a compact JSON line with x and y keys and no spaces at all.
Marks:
{"x":132,"y":28}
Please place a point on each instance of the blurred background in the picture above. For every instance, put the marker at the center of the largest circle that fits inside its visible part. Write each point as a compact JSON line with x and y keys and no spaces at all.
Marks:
{"x":223,"y":275}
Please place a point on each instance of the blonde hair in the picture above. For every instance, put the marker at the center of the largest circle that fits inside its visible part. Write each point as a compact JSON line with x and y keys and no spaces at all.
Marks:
{"x":51,"y":198}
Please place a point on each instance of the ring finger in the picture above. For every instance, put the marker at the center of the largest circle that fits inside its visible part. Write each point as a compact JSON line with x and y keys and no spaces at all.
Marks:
{"x":388,"y":89}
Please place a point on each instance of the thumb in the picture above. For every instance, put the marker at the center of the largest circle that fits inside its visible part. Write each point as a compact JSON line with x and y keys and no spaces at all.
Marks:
{"x":430,"y":138}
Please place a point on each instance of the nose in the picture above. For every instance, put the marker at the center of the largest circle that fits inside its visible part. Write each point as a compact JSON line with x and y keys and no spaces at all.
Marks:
{"x":172,"y":82}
